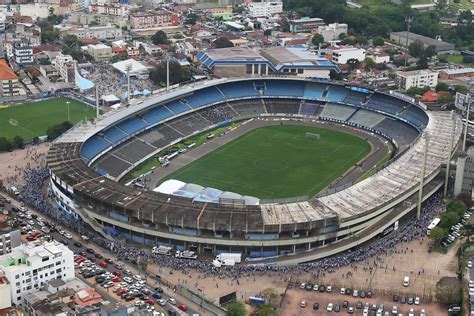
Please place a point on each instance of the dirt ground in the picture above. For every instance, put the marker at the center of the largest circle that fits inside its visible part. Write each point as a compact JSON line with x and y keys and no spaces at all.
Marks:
{"x":12,"y":163}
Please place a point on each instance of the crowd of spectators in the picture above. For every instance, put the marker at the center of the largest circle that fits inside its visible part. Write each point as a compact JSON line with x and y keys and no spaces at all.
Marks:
{"x":411,"y":229}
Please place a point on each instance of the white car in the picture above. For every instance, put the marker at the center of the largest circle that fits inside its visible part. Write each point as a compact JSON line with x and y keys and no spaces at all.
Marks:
{"x":41,"y":224}
{"x":128,"y":280}
{"x":422,"y":312}
{"x":343,"y":291}
{"x":330,"y":307}
{"x":411,"y":312}
{"x":417,"y":300}
{"x":172,"y":301}
{"x":303,"y":304}
{"x":329,"y":289}
{"x":31,"y":222}
{"x":137,"y":277}
{"x":68,"y":236}
{"x":161,"y":301}
{"x":469,"y":264}
{"x":365,"y":312}
{"x":355,"y":293}
{"x":302,"y":286}
{"x":394,"y":310}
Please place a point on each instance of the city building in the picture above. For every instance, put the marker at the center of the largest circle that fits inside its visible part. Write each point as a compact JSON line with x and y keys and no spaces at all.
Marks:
{"x":305,"y":24}
{"x":464,"y":181}
{"x":244,"y":61}
{"x":23,"y":52}
{"x":153,"y":20}
{"x":456,"y":73}
{"x":417,"y":78}
{"x":133,"y":67}
{"x":9,"y":237}
{"x":65,"y":65}
{"x":9,"y":81}
{"x":226,"y":13}
{"x":29,"y":266}
{"x":441,"y":47}
{"x":35,"y":10}
{"x":5,"y":292}
{"x":264,"y":8}
{"x":331,"y":32}
{"x":100,"y":52}
{"x":379,"y":57}
{"x":99,"y":32}
{"x":110,"y":7}
{"x":342,"y":55}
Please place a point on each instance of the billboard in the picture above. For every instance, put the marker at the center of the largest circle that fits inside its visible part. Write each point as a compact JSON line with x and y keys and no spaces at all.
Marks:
{"x":228,"y":298}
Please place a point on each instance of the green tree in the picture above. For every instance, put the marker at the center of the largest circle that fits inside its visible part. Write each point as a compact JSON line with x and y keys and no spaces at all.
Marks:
{"x":56,"y":130}
{"x":18,"y":141}
{"x":177,"y":73}
{"x":378,"y":41}
{"x":362,"y":40}
{"x":236,"y":308}
{"x":266,"y":310}
{"x":5,"y":144}
{"x":460,"y":88}
{"x":285,"y":25}
{"x":222,"y":42}
{"x":430,"y":51}
{"x":448,"y":220}
{"x":71,"y":40}
{"x":422,"y":63}
{"x":437,"y":233}
{"x":369,"y":64}
{"x":416,"y":50}
{"x":159,"y":37}
{"x":317,"y":39}
{"x":442,"y":86}
{"x":468,"y":59}
{"x":191,"y":18}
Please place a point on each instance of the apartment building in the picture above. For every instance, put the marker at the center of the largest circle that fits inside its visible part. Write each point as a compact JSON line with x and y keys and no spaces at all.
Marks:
{"x":29,"y":266}
{"x":264,"y":8}
{"x":65,"y":65}
{"x":417,"y":78}
{"x":153,"y":20}
{"x":23,"y":52}
{"x":341,"y":56}
{"x":9,"y":88}
{"x":100,"y":52}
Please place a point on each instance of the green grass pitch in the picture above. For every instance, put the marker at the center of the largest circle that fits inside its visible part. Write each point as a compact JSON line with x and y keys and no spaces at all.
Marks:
{"x":34,"y":118}
{"x":277,"y":162}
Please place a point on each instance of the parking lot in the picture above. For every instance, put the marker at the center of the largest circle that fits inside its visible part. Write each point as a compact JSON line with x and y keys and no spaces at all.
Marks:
{"x":294,"y":296}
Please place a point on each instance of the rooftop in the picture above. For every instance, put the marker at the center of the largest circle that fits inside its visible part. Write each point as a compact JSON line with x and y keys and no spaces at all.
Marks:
{"x":458,"y":71}
{"x":6,"y":73}
{"x":424,"y":39}
{"x":415,"y":72}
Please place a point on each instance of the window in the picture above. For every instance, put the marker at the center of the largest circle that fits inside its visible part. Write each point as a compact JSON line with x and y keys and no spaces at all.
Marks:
{"x":58,"y":263}
{"x":300,"y":71}
{"x":18,"y":291}
{"x":17,"y":276}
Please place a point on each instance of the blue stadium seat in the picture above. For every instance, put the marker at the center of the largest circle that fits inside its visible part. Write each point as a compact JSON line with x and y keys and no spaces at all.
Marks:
{"x":114,"y":135}
{"x":204,"y":97}
{"x":336,"y":93}
{"x":132,"y":125}
{"x":313,"y":90}
{"x":241,"y":89}
{"x":177,"y":107}
{"x":385,"y":104}
{"x":93,"y":146}
{"x":157,"y":114}
{"x":284,"y":88}
{"x":415,"y":115}
{"x":355,"y":98}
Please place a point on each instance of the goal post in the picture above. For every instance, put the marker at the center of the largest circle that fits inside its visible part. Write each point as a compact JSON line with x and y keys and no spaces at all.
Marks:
{"x":312,"y":135}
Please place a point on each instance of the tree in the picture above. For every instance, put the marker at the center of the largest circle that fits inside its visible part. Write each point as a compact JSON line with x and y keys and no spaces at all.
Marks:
{"x":222,"y":42}
{"x":416,"y":49}
{"x":5,"y":144}
{"x":18,"y":141}
{"x":362,"y":40}
{"x":447,"y":291}
{"x":56,"y":130}
{"x":317,"y":39}
{"x":266,"y":310}
{"x":71,"y":40}
{"x":353,"y":63}
{"x":442,"y":86}
{"x":437,"y":233}
{"x":191,"y":19}
{"x":468,"y":59}
{"x":177,"y":73}
{"x":448,"y":220}
{"x":378,"y":41}
{"x":460,"y":88}
{"x":369,"y":64}
{"x":159,"y":37}
{"x":422,"y":63}
{"x":430,"y":51}
{"x":236,"y":308}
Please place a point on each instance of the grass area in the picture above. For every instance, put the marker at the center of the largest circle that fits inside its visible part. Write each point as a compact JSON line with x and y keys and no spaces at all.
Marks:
{"x":153,"y":163}
{"x":458,"y":59}
{"x":277,"y":162}
{"x":33,"y":119}
{"x":462,"y":5}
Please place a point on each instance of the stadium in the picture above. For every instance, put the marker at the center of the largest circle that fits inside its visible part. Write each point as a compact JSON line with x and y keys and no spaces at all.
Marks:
{"x":354,"y":205}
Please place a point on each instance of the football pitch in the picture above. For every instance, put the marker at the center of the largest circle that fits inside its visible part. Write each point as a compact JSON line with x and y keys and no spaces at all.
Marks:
{"x":33,"y":119}
{"x":277,"y":162}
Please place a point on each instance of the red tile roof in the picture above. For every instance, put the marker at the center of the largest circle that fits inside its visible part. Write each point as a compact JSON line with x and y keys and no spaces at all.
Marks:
{"x":6,"y":73}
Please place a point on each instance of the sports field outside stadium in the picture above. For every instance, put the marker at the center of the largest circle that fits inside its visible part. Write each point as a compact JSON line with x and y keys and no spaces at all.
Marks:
{"x":33,"y":119}
{"x":277,"y":162}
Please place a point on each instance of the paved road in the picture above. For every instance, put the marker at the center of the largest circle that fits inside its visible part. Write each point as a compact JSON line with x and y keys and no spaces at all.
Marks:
{"x":193,"y":309}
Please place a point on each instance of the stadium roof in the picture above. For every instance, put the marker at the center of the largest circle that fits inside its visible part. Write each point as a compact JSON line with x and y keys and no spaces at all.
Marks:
{"x":136,"y":67}
{"x":277,"y":58}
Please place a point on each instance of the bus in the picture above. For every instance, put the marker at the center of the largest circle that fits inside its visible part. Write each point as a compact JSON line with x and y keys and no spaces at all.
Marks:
{"x":433,"y":224}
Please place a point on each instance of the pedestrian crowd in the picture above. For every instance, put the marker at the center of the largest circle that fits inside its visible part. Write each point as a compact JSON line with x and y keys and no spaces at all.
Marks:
{"x":411,"y":229}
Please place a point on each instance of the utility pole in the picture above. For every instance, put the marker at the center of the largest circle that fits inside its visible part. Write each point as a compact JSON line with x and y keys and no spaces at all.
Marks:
{"x":408,"y":21}
{"x":422,"y":179}
{"x":97,"y":100}
{"x":68,"y":116}
{"x":466,"y":126}
{"x":167,"y":73}
{"x":448,"y":160}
